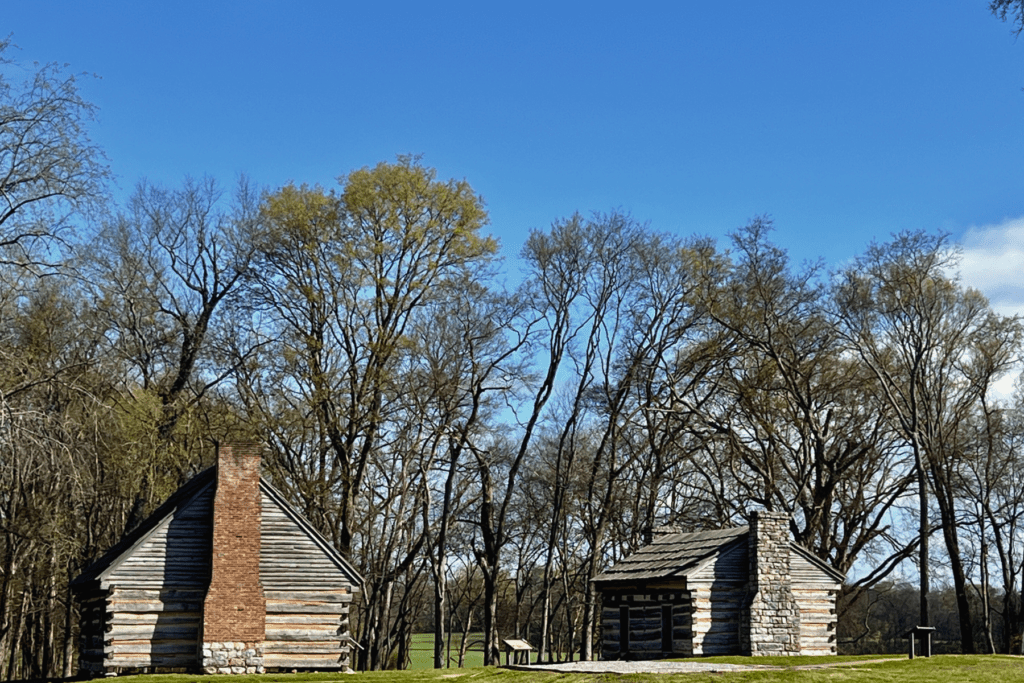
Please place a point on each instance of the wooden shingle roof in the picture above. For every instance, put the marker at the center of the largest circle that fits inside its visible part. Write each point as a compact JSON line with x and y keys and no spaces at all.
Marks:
{"x":673,"y":555}
{"x":680,"y":555}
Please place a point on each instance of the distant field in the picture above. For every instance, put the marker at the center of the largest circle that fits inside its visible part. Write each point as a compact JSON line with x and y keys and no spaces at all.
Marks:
{"x":422,"y":654}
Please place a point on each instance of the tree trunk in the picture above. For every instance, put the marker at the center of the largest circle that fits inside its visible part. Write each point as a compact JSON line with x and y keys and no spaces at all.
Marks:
{"x":543,"y":651}
{"x":922,"y":479}
{"x":492,"y":656}
{"x":440,"y":590}
{"x":13,"y":665}
{"x":464,"y":643}
{"x":960,"y":586}
{"x":947,"y":512}
{"x":47,"y":635}
{"x":986,"y":610}
{"x":68,"y":640}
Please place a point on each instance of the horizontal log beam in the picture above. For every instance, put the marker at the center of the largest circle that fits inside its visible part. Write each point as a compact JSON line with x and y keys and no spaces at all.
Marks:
{"x":178,"y":647}
{"x":300,"y":636}
{"x":272,"y":648}
{"x":154,"y":631}
{"x":141,"y":619}
{"x":294,"y":619}
{"x":307,"y":596}
{"x":289,"y":662}
{"x":129,"y":660}
{"x":118,"y":606}
{"x":278,"y":607}
{"x":157,"y":595}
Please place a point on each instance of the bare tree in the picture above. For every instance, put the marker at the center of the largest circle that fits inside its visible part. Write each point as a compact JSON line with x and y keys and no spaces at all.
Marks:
{"x":800,"y":430}
{"x":49,"y":168}
{"x":462,"y":374}
{"x":162,"y":274}
{"x":925,"y":338}
{"x":1009,"y":9}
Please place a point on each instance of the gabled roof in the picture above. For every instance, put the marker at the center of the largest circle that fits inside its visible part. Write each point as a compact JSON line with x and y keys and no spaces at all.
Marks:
{"x":325,"y":546}
{"x":137,"y":536}
{"x":818,"y":562}
{"x":181,"y":499}
{"x":673,"y":555}
{"x":680,"y":555}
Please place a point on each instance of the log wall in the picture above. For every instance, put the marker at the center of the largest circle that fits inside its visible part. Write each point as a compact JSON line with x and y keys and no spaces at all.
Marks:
{"x":719,"y":595}
{"x":154,"y":598}
{"x":146,"y":610}
{"x":177,"y":553}
{"x":150,"y":628}
{"x":716,"y":619}
{"x":644,"y":636}
{"x":92,"y":623}
{"x":815,"y":594}
{"x":307,"y":626}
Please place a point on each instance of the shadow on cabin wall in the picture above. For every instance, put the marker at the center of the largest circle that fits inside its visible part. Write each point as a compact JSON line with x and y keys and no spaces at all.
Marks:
{"x":177,"y":631}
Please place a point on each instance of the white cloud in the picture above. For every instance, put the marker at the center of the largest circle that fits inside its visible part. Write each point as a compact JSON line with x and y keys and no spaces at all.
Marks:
{"x":993,"y":263}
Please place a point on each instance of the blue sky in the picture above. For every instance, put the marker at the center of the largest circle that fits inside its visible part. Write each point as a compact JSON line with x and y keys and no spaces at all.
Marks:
{"x":843,"y":121}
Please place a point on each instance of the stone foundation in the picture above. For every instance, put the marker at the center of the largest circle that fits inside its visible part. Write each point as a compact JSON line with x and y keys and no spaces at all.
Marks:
{"x":233,"y":658}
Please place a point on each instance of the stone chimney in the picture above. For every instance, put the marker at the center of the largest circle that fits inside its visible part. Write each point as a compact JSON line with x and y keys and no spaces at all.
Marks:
{"x":235,"y":609}
{"x":772,"y":622}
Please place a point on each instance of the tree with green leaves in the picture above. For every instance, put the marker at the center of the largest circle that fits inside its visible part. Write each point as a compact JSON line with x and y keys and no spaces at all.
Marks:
{"x":337,"y":285}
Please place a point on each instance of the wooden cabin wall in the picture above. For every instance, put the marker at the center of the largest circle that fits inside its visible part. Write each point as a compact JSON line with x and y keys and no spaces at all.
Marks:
{"x":155,"y":600}
{"x":176,"y":554}
{"x":153,"y":628}
{"x":815,"y":593}
{"x":719,"y":593}
{"x":716,"y":618}
{"x":647,"y":617}
{"x":92,"y":627}
{"x":306,"y":623}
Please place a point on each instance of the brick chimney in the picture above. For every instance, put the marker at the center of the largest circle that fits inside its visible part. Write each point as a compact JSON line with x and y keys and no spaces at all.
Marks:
{"x":235,"y":610}
{"x":772,"y":622}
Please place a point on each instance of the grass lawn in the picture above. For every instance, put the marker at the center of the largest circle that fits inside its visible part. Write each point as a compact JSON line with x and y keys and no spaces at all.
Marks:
{"x":421,"y":654}
{"x":422,"y":651}
{"x":955,"y":668}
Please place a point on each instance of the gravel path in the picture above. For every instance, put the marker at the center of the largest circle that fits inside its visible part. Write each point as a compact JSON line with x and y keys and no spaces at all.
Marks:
{"x":690,"y":666}
{"x":622,"y":667}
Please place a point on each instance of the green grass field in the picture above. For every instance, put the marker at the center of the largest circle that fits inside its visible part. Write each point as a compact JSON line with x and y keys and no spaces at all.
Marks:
{"x":422,"y":651}
{"x":955,"y":668}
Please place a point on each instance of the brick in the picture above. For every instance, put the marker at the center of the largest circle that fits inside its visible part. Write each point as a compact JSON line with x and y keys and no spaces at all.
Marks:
{"x":235,"y":607}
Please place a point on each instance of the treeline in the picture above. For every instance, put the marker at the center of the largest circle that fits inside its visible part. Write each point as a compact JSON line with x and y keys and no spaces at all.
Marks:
{"x":481,"y":438}
{"x":878,"y":621}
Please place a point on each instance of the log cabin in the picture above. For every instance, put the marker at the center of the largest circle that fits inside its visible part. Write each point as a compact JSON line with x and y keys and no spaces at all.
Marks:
{"x":224,"y":577}
{"x":748,"y":590}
